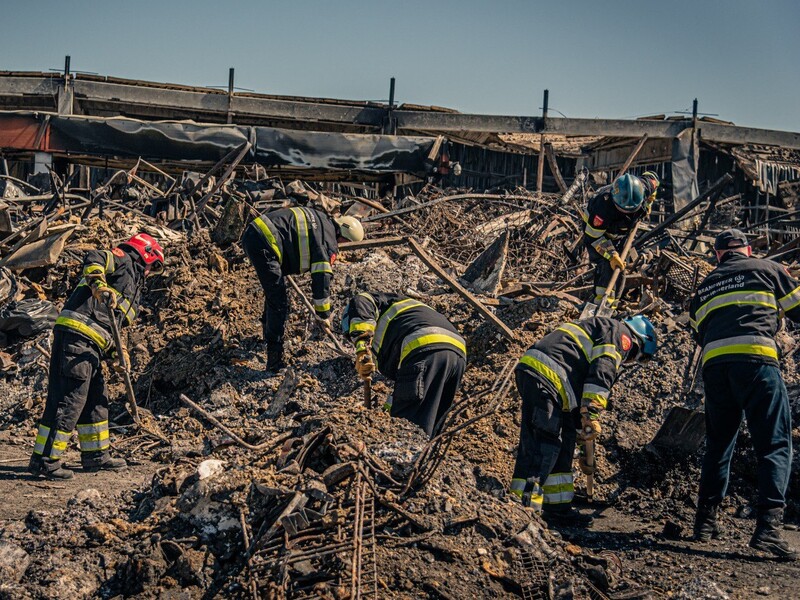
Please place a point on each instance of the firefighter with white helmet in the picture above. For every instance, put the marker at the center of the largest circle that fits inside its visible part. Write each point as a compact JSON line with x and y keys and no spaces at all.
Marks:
{"x":290,"y":241}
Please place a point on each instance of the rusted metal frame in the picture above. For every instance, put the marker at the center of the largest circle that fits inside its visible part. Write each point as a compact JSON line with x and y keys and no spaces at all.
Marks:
{"x":355,"y":562}
{"x":205,"y":414}
{"x":451,"y":430}
{"x":434,"y":266}
{"x":717,"y":187}
{"x":341,"y":350}
{"x":632,"y":156}
{"x":243,"y":150}
{"x":410,"y":209}
{"x":551,"y":161}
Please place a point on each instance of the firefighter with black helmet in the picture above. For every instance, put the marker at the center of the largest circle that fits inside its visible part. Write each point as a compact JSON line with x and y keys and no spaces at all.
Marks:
{"x":608,"y":218}
{"x":736,"y":313}
{"x":290,"y":241}
{"x":565,"y":380}
{"x":110,"y":287}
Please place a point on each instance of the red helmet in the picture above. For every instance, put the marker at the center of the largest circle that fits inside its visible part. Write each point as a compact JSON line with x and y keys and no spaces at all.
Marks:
{"x":150,"y":250}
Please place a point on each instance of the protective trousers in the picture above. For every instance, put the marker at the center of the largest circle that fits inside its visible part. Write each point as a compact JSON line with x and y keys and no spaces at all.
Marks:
{"x":602,"y":275}
{"x":425,"y":387}
{"x":268,"y":270}
{"x":543,"y":471}
{"x":757,"y":391}
{"x":76,"y":396}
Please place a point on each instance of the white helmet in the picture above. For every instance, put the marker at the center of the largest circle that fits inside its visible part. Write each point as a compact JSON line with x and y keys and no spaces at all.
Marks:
{"x":350,"y":228}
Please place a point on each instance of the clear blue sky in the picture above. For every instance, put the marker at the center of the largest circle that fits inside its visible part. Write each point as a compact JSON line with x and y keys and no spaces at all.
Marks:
{"x":608,"y":59}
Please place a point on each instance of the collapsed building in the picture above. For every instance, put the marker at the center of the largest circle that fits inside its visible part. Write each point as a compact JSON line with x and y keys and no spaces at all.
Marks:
{"x":290,"y":487}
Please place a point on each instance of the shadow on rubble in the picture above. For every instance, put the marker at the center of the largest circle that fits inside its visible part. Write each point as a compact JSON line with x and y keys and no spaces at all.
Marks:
{"x":623,"y":542}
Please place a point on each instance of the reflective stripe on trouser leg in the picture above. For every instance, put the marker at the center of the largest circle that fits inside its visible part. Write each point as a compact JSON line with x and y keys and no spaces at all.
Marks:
{"x":529,"y":491}
{"x":93,"y":437}
{"x":54,"y":439}
{"x":558,"y":488}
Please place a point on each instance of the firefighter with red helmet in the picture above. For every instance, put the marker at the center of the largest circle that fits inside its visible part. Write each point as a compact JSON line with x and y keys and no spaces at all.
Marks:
{"x":110,"y":287}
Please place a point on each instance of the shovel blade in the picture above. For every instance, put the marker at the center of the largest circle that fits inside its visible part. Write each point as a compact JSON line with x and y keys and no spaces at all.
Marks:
{"x":589,"y":311}
{"x":684,"y":429}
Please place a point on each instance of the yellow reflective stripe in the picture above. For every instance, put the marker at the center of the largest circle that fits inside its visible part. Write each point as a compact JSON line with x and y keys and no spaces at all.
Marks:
{"x":303,"y":248}
{"x":592,"y":232}
{"x":580,"y":336}
{"x":60,"y":442}
{"x":89,"y":269}
{"x":743,"y":297}
{"x":518,"y":489}
{"x":548,"y":374}
{"x":269,"y":236}
{"x":559,"y":488}
{"x":753,"y":349}
{"x":368,"y":326}
{"x":82,"y":328}
{"x":426,"y":336}
{"x":790,"y":300}
{"x":322,"y":305}
{"x":607,"y":350}
{"x":383,"y":323}
{"x":109,"y":261}
{"x":321,"y":267}
{"x":42,"y":433}
{"x":93,"y":437}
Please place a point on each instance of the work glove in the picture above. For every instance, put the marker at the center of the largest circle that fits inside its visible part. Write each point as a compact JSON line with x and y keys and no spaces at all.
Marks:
{"x":105,"y":295}
{"x":616,"y":262}
{"x":364,"y":365}
{"x":590,"y":425}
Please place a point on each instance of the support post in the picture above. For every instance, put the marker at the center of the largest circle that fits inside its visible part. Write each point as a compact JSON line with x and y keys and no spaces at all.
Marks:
{"x":230,"y":94}
{"x":65,"y":90}
{"x":390,"y":121}
{"x":540,"y":166}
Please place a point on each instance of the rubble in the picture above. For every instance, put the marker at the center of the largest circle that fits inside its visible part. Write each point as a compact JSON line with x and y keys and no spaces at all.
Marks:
{"x":289,"y":486}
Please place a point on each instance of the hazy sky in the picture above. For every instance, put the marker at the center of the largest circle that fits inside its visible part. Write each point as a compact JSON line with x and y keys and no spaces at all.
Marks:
{"x":610,"y":59}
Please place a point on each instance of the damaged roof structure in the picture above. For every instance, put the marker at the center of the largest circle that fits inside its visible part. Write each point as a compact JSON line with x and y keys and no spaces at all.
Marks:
{"x":290,"y":487}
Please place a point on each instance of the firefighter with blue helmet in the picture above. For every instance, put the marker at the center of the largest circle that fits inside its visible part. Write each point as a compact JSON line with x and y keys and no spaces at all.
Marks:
{"x":608,"y":219}
{"x":565,"y":380}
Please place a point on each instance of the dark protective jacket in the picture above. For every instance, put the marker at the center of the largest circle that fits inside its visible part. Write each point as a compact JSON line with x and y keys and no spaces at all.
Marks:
{"x":83,"y":314}
{"x":580,"y":360}
{"x":604,"y":224}
{"x":736,"y":310}
{"x":401,"y":328}
{"x":303,"y":239}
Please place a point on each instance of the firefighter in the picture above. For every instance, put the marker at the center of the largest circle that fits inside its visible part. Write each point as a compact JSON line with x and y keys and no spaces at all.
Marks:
{"x":413,"y":345}
{"x":112,"y":283}
{"x":565,"y":380}
{"x":609,"y":217}
{"x":291,"y":241}
{"x":736,"y":313}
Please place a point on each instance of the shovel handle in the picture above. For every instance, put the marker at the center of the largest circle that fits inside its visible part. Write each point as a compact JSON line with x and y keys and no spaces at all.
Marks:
{"x":615,"y":275}
{"x":126,"y":371}
{"x":368,"y":392}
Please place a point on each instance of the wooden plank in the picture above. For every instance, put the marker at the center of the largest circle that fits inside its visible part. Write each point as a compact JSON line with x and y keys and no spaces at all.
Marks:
{"x":551,"y":161}
{"x":459,"y":289}
{"x":634,"y":153}
{"x":376,"y":243}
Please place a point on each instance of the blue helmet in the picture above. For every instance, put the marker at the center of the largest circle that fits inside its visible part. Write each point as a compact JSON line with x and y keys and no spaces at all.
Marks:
{"x":645,"y":332}
{"x":628,"y":193}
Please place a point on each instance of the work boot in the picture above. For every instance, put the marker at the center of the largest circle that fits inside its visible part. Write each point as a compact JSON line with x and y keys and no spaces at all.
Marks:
{"x":557,"y":518}
{"x":49,"y":469}
{"x":105,"y":463}
{"x":705,"y":523}
{"x":767,"y":536}
{"x":274,"y":357}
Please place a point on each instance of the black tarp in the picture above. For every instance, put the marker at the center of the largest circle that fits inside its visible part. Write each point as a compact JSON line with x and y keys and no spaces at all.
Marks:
{"x":188,"y":141}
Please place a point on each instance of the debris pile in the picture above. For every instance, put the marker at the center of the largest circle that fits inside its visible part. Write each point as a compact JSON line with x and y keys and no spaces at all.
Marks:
{"x":289,"y":486}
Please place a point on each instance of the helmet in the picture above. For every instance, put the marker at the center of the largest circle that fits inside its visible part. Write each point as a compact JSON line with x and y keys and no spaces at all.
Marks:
{"x":150,"y":250}
{"x":650,"y":181}
{"x":645,"y":332}
{"x":350,"y":228}
{"x":628,"y":193}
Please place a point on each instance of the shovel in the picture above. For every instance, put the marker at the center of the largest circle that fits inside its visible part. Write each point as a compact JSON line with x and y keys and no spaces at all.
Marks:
{"x":603,"y":309}
{"x":142,"y":417}
{"x":684,"y":429}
